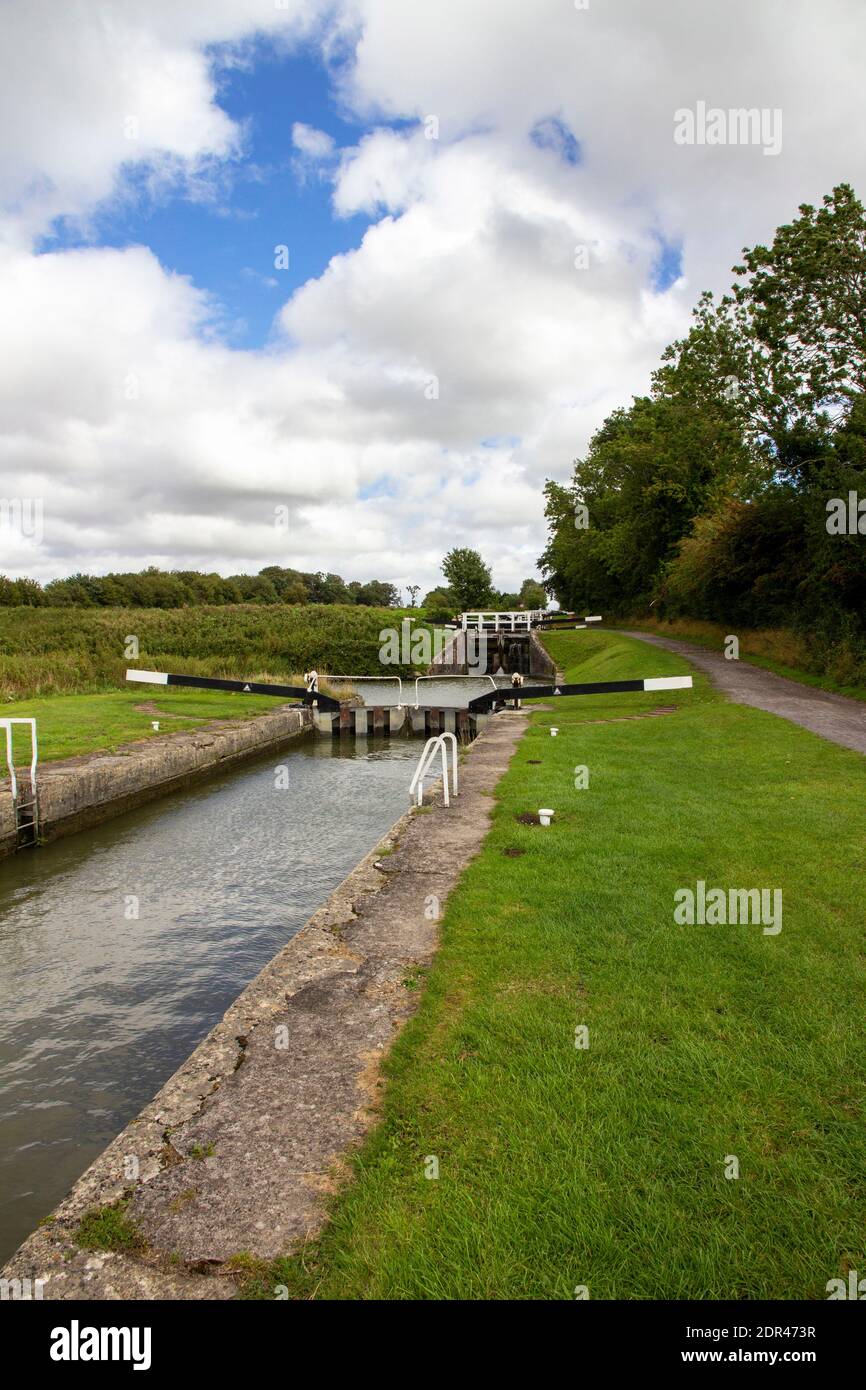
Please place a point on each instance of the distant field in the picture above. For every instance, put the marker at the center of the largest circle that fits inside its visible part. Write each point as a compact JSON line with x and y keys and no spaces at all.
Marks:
{"x":47,"y":651}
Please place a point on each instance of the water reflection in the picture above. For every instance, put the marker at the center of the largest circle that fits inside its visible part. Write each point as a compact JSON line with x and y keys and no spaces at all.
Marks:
{"x":97,"y":1005}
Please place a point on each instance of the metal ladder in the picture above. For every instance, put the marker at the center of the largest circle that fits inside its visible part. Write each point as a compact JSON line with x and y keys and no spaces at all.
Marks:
{"x":434,"y":744}
{"x":25,"y":800}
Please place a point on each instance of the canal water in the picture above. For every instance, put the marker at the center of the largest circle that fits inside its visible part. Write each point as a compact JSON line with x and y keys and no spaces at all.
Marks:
{"x":440,"y":692}
{"x":99,"y":1006}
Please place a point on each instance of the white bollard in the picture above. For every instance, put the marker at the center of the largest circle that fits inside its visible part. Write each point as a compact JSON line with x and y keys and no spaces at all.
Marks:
{"x":154,"y":724}
{"x":554,"y":731}
{"x":545,"y":815}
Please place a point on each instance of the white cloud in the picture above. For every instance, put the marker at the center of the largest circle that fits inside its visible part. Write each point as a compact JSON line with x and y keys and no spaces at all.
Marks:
{"x":153,"y":442}
{"x":88,"y":88}
{"x":318,"y":144}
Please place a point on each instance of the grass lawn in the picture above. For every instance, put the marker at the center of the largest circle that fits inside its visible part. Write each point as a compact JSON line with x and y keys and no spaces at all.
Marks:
{"x":72,"y":724}
{"x":605,"y":1166}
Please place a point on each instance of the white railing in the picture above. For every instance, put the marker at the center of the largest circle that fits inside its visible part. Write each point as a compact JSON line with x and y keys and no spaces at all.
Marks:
{"x":515,"y":620}
{"x":353,"y":680}
{"x":10,"y":763}
{"x":451,"y":678}
{"x":434,"y":744}
{"x":383,"y":678}
{"x":34,"y":753}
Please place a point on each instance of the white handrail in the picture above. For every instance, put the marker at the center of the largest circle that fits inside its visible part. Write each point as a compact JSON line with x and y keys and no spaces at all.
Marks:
{"x":453,"y":738}
{"x":428,"y":752}
{"x":434,"y":744}
{"x":9,"y":763}
{"x":34,"y":754}
{"x":452,"y":678}
{"x":374,"y":678}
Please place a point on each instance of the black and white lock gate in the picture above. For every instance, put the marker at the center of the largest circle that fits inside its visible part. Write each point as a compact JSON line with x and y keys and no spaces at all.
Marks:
{"x":563,"y":620}
{"x":280,"y":692}
{"x":497,"y":699}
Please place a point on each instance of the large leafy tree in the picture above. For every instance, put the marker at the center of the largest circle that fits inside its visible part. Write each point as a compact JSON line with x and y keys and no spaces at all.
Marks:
{"x":469,"y":579}
{"x":711,"y":494}
{"x":648,"y":471}
{"x":786,"y":349}
{"x":803,"y":303}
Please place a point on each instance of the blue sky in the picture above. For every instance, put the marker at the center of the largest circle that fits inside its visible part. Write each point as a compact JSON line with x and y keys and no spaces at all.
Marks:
{"x":226,"y":245}
{"x":225,"y":241}
{"x":668,"y":265}
{"x":459,"y":270}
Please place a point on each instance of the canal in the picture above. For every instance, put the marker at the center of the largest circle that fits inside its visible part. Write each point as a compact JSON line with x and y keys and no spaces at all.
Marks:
{"x":446,"y":692}
{"x":122,"y":946}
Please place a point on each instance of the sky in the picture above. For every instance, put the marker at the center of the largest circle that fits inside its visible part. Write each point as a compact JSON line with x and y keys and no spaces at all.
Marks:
{"x":337,"y":284}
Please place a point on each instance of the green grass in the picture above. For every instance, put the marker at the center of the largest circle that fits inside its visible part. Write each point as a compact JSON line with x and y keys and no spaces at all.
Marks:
{"x":109,"y":1228}
{"x":598,"y":656}
{"x":46,"y":651}
{"x":561,"y":1167}
{"x":69,"y":725}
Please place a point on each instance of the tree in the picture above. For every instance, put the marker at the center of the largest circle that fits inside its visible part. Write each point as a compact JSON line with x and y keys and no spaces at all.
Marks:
{"x":255,"y":588}
{"x":377,"y":594}
{"x":413,"y":590}
{"x":439,"y":605}
{"x":327,"y":588}
{"x":804,"y":303}
{"x":786,"y":349}
{"x":73,"y":592}
{"x":21,"y":593}
{"x":532,"y":594}
{"x":647,"y":473}
{"x":289,"y":584}
{"x":712,"y":496}
{"x":468,"y":578}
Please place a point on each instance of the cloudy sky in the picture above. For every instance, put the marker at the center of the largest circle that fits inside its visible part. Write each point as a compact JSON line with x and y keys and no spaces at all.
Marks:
{"x":385,"y":264}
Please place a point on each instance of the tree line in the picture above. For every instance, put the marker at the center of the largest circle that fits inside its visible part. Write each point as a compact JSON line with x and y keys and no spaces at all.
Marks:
{"x":732,"y":492}
{"x":469,"y":585}
{"x":156,"y":588}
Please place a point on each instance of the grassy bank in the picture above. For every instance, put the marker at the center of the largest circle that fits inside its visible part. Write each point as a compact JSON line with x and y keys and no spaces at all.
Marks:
{"x":562,"y":1166}
{"x":72,"y":724}
{"x":776,"y":649}
{"x":46,"y":651}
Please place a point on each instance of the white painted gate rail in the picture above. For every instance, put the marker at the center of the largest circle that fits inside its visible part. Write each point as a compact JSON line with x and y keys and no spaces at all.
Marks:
{"x":26,"y":812}
{"x":434,"y":744}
